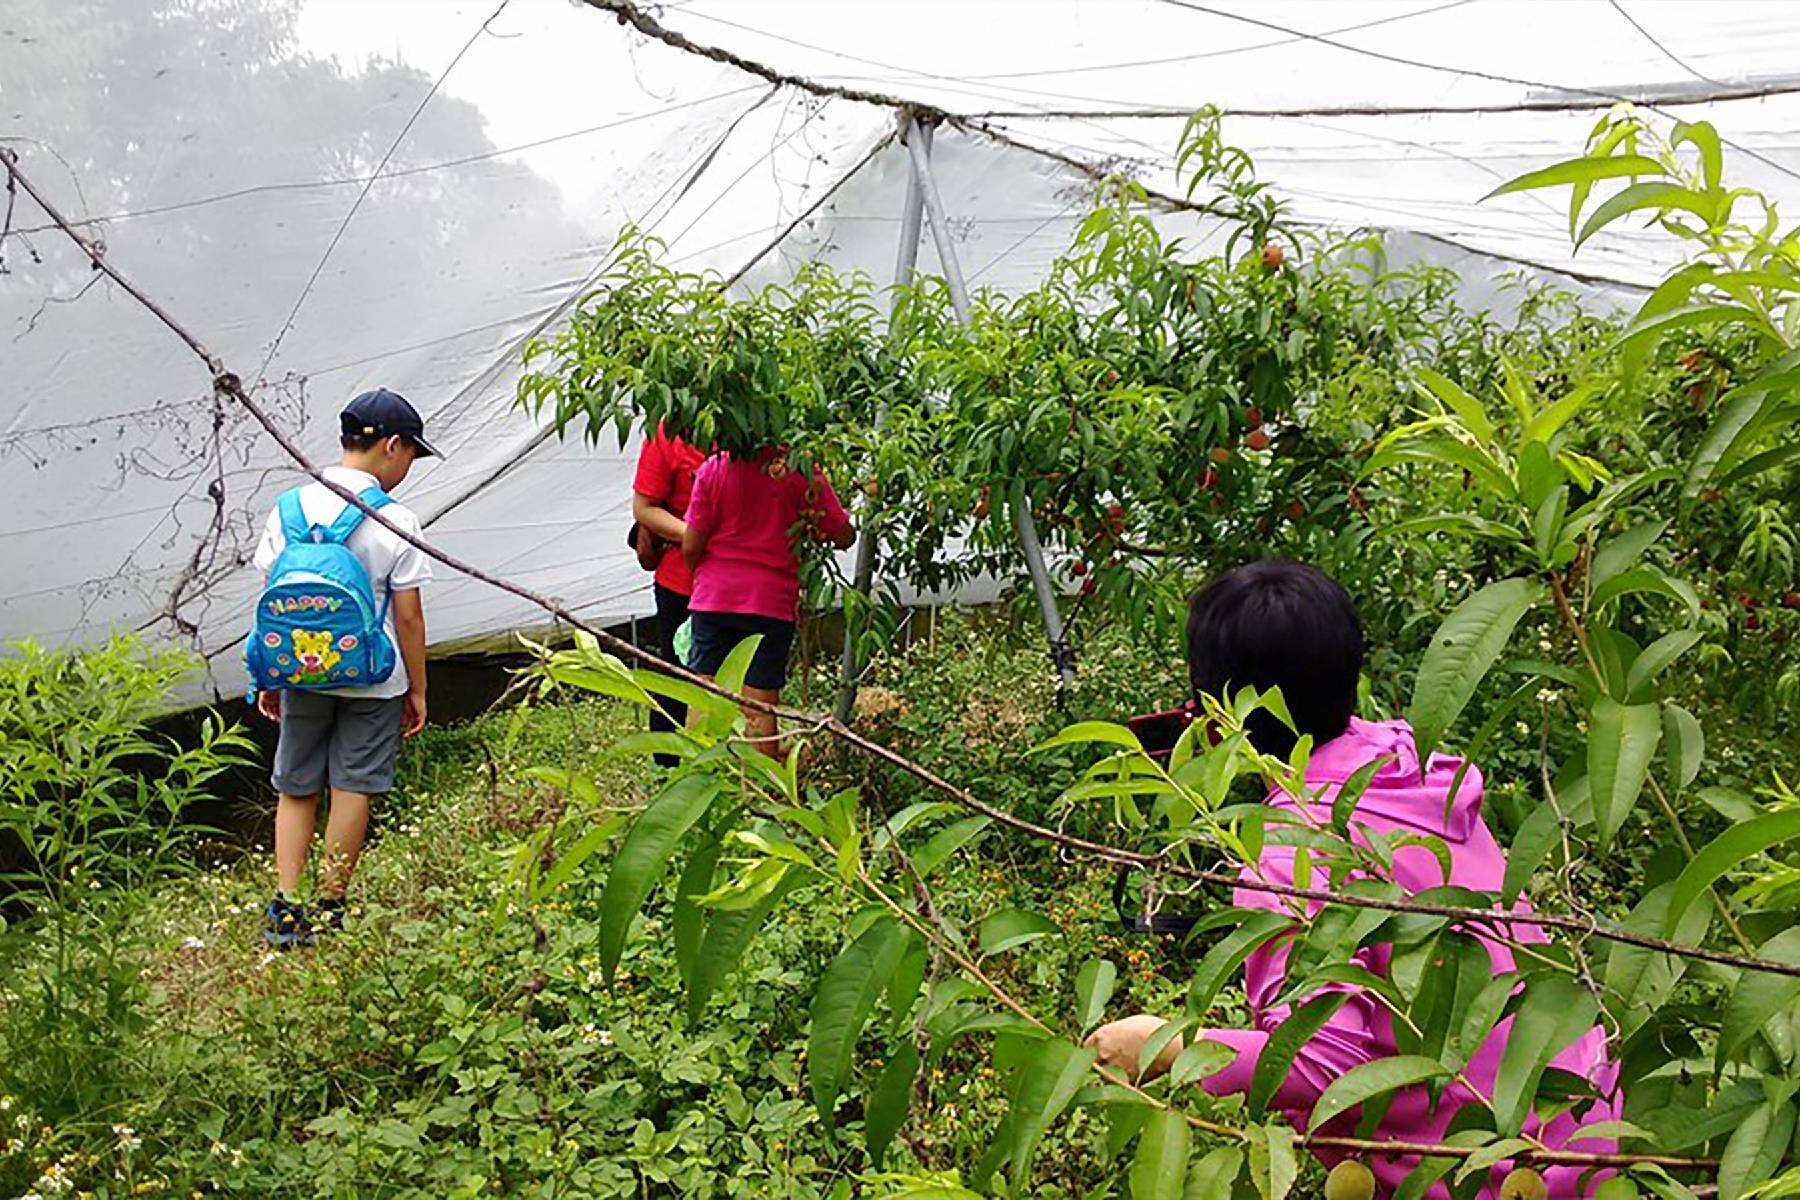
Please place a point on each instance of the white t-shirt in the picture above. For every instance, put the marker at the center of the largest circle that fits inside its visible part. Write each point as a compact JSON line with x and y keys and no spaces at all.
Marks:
{"x":390,"y":561}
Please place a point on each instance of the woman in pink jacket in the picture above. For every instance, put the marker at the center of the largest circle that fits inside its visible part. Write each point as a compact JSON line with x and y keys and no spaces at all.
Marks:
{"x":1288,"y":625}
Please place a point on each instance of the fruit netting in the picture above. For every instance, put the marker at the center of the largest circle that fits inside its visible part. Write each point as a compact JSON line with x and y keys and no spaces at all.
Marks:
{"x":338,"y":196}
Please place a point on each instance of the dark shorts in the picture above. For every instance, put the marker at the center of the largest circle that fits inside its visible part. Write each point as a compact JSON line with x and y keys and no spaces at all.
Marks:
{"x":716,"y":635}
{"x":336,"y":741}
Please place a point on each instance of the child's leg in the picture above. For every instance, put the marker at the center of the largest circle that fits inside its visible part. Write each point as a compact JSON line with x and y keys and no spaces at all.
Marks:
{"x":299,"y":777}
{"x":345,"y":827}
{"x":365,"y":745}
{"x":295,"y":817}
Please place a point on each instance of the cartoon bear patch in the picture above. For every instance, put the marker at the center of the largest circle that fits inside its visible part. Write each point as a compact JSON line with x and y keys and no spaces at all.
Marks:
{"x":316,"y":657}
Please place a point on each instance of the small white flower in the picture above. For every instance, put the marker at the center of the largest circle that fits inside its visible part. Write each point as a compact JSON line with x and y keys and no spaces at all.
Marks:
{"x":220,"y":1149}
{"x":1548,"y":695}
{"x":127,"y":1137}
{"x":605,"y":1037}
{"x":596,"y":977}
{"x":1544,"y":645}
{"x":266,"y":959}
{"x":192,"y":943}
{"x":6,"y":1103}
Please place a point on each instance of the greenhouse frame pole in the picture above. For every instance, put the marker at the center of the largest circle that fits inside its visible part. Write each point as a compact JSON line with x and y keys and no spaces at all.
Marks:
{"x":906,"y":261}
{"x":1060,"y":654}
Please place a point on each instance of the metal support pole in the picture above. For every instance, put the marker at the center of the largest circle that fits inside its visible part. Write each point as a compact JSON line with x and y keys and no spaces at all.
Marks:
{"x":1060,"y":652}
{"x":906,"y":261}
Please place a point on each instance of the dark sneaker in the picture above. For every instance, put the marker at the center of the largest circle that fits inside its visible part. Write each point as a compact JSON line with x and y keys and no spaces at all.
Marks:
{"x":286,"y":925}
{"x":330,"y":917}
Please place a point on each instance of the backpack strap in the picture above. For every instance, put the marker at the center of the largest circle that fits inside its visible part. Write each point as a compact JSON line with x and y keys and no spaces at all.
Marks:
{"x":339,"y":531}
{"x":293,"y":517}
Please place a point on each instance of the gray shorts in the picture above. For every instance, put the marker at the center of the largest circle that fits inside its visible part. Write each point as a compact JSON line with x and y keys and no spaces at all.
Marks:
{"x":349,"y":744}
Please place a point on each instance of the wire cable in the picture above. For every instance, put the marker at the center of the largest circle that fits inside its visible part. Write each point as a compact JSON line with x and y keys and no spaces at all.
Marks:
{"x":1666,"y":52}
{"x":157,"y":210}
{"x":904,"y":74}
{"x":300,"y":301}
{"x":1468,"y":72}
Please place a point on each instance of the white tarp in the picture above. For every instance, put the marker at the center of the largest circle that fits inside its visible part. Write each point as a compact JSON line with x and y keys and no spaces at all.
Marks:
{"x":222,"y":150}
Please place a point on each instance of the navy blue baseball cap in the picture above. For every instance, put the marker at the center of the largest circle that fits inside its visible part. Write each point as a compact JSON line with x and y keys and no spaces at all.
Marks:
{"x":382,"y":413}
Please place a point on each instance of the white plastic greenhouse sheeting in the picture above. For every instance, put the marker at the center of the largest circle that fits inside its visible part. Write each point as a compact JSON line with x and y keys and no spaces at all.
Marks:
{"x":219,"y":149}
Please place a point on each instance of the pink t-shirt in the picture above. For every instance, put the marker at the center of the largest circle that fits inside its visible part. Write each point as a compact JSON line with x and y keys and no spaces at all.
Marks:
{"x":748,"y":516}
{"x":1406,"y":796}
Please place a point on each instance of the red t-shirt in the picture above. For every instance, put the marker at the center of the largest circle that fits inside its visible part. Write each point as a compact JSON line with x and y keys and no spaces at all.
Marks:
{"x":749,"y":565}
{"x":665,"y":476}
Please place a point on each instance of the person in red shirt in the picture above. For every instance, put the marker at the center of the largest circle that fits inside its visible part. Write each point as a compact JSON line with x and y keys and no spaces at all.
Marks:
{"x":741,"y":524}
{"x":659,"y":501}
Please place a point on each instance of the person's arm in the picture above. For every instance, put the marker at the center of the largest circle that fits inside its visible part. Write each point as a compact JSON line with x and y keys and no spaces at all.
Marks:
{"x":697,"y":526}
{"x":830,"y":523}
{"x":1119,"y":1045}
{"x":693,"y":546}
{"x":648,"y":512}
{"x":409,"y":629}
{"x":267,"y":551}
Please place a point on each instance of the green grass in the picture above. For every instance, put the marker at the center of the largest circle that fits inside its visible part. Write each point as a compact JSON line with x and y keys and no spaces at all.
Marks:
{"x":453,"y":1044}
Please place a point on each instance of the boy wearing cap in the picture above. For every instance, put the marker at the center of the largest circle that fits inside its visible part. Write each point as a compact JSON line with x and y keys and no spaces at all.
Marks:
{"x":347,"y":739}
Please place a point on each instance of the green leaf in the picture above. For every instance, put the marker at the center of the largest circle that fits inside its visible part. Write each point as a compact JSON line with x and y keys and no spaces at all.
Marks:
{"x":1485,"y":1158}
{"x":1540,"y":833}
{"x":1343,"y":805}
{"x":1754,"y":1152}
{"x":947,"y":841}
{"x":570,"y":860}
{"x":1277,"y":1057}
{"x":1159,"y":1171}
{"x":1461,"y":652}
{"x":1740,"y":409}
{"x":1555,"y":1011}
{"x":889,"y":1100}
{"x":1731,"y":849}
{"x":1620,"y":553}
{"x":1686,"y":743}
{"x":1084,"y":732}
{"x":1657,"y":657}
{"x":1758,"y":996}
{"x":1047,"y":1082}
{"x":1644,"y":579}
{"x":1580,"y":170}
{"x":1014,"y":927}
{"x":1466,"y":407}
{"x":1229,"y":953}
{"x":1704,"y":138}
{"x":1272,"y":1165}
{"x":1659,"y":195}
{"x":1093,"y":988}
{"x":1639,"y":980}
{"x":1381,"y":1077}
{"x":644,"y":855}
{"x":1622,"y":740}
{"x":1213,"y":1176}
{"x":1198,"y":1060}
{"x":737,"y":664}
{"x":841,"y":1008}
{"x":728,"y":934}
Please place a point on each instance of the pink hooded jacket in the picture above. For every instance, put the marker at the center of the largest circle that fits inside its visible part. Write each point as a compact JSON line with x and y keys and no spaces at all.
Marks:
{"x":1400,"y":797}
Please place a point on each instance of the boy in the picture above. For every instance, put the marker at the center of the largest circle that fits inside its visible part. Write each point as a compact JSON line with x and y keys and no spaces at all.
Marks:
{"x":1288,"y":625}
{"x":348,"y":738}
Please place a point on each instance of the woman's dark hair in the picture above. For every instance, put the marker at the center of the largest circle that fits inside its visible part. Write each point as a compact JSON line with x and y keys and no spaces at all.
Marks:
{"x":1277,"y":623}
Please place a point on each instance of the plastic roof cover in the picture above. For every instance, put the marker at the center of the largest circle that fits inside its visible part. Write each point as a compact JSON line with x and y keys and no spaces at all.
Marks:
{"x":338,"y":195}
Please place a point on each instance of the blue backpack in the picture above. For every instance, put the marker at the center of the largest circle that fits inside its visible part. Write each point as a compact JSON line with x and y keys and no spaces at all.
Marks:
{"x":317,"y":626}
